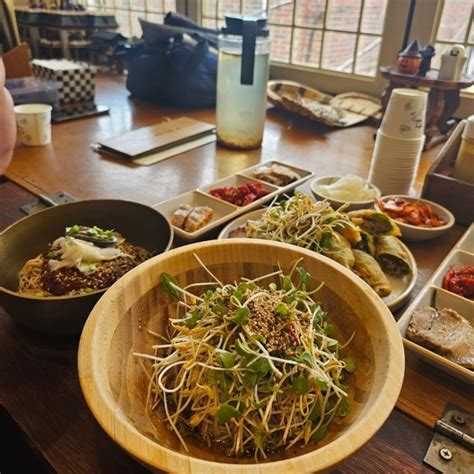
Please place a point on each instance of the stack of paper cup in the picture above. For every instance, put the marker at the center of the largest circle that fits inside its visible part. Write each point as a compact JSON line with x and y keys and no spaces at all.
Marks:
{"x":399,"y":142}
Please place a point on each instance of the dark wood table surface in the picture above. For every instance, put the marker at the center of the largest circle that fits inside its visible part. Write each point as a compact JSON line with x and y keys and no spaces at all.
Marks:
{"x":39,"y":386}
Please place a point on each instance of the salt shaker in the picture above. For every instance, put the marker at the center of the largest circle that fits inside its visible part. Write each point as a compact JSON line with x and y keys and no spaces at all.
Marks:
{"x":452,"y":63}
{"x":464,"y":165}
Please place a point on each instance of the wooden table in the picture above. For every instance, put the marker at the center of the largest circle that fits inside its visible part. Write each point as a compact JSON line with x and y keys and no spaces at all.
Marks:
{"x":443,"y":99}
{"x":39,"y":385}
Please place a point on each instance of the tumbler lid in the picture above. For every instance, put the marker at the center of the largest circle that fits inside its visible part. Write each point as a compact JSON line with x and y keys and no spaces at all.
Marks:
{"x":234,"y":24}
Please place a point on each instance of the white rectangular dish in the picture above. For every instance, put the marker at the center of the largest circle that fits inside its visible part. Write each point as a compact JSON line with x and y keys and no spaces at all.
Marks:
{"x":222,"y":210}
{"x":432,"y":294}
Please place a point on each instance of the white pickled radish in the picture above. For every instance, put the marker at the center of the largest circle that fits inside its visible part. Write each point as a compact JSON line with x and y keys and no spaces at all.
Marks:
{"x":348,"y":188}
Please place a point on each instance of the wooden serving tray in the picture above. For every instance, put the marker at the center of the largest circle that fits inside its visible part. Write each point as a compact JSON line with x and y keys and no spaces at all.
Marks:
{"x":440,"y":187}
{"x":343,"y":110}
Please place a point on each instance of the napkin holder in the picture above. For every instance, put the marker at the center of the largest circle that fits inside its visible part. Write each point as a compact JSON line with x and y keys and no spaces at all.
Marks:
{"x":440,"y":186}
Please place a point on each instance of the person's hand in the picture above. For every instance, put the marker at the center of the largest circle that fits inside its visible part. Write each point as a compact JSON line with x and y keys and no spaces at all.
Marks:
{"x":7,"y":123}
{"x":2,"y":73}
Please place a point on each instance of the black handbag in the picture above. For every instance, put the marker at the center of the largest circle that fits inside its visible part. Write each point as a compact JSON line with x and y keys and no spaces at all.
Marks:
{"x":175,"y":67}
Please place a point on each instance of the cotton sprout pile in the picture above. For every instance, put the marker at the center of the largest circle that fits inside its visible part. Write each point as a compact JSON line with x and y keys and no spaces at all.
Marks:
{"x":251,"y":366}
{"x":303,"y":222}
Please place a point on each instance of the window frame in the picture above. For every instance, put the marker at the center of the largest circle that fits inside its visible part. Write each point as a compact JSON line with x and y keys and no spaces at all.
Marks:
{"x":392,"y":38}
{"x":425,"y":24}
{"x":466,"y":106}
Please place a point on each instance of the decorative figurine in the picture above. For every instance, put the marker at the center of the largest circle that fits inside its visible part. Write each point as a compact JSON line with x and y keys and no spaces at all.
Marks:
{"x":409,"y":60}
{"x":427,"y":54}
{"x":452,"y":63}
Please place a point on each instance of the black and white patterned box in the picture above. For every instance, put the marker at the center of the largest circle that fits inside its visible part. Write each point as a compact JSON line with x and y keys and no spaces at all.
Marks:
{"x":77,"y":78}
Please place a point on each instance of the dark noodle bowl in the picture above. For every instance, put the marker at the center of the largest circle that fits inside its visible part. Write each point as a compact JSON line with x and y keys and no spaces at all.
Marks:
{"x":141,"y":225}
{"x":70,"y":281}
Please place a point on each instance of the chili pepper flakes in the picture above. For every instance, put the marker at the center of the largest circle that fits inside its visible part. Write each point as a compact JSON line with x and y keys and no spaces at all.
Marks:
{"x":460,"y":280}
{"x":241,"y":195}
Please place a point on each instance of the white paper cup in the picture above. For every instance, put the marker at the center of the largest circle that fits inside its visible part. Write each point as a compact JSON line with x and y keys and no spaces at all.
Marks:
{"x":387,"y":140}
{"x":405,"y":114}
{"x":394,"y":163}
{"x":34,"y":123}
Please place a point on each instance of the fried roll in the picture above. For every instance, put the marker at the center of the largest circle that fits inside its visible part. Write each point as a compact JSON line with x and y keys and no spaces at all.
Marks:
{"x":369,"y":270}
{"x":374,"y":222}
{"x":366,"y":243}
{"x":391,"y":256}
{"x":339,"y":249}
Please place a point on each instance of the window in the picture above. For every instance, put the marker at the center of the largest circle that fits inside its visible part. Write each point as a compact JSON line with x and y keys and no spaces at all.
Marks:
{"x":332,"y":45}
{"x":127,"y":12}
{"x":332,"y":35}
{"x":455,"y":26}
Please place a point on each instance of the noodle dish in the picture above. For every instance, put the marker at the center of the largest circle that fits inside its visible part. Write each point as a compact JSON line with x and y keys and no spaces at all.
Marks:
{"x":84,"y":260}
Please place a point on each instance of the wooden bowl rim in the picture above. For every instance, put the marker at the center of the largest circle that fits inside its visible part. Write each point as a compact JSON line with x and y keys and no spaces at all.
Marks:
{"x":151,"y":453}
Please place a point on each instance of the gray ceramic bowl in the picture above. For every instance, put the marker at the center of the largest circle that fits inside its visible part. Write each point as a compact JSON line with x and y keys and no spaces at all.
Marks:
{"x":140,"y":224}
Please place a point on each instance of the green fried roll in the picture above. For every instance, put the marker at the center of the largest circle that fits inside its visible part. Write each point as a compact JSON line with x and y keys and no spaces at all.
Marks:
{"x":369,"y":270}
{"x":366,"y":243}
{"x":338,"y":248}
{"x":374,"y":222}
{"x":391,"y":256}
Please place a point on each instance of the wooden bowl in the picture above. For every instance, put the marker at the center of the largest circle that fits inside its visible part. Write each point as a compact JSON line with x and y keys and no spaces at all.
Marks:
{"x":28,"y":237}
{"x":115,"y":386}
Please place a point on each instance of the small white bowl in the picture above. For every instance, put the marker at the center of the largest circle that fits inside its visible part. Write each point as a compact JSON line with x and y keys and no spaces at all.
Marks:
{"x":417,"y":234}
{"x":336,"y":203}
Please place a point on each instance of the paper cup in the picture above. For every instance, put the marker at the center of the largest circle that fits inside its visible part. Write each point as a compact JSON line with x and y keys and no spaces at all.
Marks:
{"x":34,"y":123}
{"x":394,"y":163}
{"x":405,"y":114}
{"x":389,"y":141}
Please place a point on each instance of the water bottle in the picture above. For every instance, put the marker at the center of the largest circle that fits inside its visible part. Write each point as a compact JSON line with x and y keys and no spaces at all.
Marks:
{"x":242,"y":76}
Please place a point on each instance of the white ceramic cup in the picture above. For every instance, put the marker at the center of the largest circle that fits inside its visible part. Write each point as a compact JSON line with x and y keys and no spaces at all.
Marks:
{"x":34,"y":123}
{"x":405,"y":115}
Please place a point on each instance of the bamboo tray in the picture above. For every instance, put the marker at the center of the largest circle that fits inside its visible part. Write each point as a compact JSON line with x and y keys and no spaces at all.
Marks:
{"x":343,"y":110}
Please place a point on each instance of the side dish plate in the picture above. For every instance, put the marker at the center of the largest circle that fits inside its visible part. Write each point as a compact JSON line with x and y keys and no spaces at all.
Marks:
{"x":401,"y":287}
{"x":222,"y":210}
{"x":461,"y":254}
